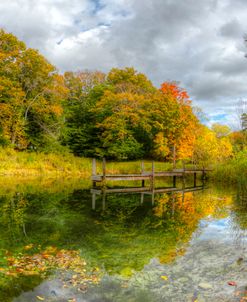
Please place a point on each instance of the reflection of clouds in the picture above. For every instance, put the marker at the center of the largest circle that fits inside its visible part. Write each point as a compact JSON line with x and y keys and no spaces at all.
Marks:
{"x":222,"y":231}
{"x":216,"y":230}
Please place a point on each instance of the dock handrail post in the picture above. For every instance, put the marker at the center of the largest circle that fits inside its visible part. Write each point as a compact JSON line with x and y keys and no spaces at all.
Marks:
{"x":142,"y":171}
{"x":194,"y":179}
{"x":142,"y":166}
{"x":174,"y":157}
{"x":94,"y":170}
{"x":183,"y":174}
{"x":174,"y":181}
{"x":104,"y":171}
{"x":93,"y":201}
{"x":152,"y":197}
{"x":103,"y":200}
{"x":203,"y":175}
{"x":142,"y":198}
{"x":152,"y":176}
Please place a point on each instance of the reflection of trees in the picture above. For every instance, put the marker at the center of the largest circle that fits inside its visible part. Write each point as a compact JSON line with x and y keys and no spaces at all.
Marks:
{"x":239,"y":221}
{"x":13,"y":215}
{"x":134,"y":234}
{"x":122,"y":238}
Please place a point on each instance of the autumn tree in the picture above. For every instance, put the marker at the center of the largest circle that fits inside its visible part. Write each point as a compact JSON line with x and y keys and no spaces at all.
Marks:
{"x":122,"y":114}
{"x":221,"y":130}
{"x":182,"y":134}
{"x":209,"y":148}
{"x":31,"y":94}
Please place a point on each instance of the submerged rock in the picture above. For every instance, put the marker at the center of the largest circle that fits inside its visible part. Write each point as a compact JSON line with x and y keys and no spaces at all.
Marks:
{"x":205,"y":285}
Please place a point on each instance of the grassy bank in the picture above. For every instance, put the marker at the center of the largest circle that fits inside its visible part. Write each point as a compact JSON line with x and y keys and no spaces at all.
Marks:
{"x":35,"y":164}
{"x":14,"y":163}
{"x":41,"y":164}
{"x":233,"y":171}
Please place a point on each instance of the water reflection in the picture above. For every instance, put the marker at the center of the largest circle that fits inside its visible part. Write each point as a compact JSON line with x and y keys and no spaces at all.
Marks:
{"x":103,"y":192}
{"x":119,"y":233}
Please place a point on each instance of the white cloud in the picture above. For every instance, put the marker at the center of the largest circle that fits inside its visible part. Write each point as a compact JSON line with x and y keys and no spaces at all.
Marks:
{"x":198,"y":43}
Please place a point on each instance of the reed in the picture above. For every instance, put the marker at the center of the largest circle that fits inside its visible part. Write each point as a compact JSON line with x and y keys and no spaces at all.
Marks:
{"x":232,"y":171}
{"x":52,"y":164}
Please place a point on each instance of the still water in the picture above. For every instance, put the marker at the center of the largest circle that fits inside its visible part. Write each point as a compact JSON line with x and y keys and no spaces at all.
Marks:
{"x":58,"y":242}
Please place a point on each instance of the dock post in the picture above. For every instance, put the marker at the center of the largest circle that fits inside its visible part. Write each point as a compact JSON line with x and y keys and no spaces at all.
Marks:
{"x":94,"y":171}
{"x":194,"y":179}
{"x":174,"y":156}
{"x":183,"y":175}
{"x":103,"y":200}
{"x":174,"y":181}
{"x":93,"y":201}
{"x":153,"y":198}
{"x":142,"y":171}
{"x":142,"y":198}
{"x":104,"y":172}
{"x":173,"y":205}
{"x":203,"y":173}
{"x":152,"y":176}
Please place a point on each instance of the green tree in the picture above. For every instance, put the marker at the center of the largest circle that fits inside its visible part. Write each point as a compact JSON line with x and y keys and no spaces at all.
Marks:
{"x":80,"y":134}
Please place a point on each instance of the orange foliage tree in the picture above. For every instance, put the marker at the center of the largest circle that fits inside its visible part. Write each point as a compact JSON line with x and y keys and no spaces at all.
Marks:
{"x":184,"y":134}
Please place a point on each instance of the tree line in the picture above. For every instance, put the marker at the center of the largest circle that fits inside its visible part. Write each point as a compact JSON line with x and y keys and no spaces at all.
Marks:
{"x":119,"y":115}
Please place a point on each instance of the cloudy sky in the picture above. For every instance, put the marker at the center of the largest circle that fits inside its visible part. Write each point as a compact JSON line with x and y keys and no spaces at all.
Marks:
{"x":198,"y":43}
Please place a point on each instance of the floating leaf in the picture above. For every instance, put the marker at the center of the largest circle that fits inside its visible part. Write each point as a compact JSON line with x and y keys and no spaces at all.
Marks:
{"x":40,"y":298}
{"x":232,"y":283}
{"x":28,"y":247}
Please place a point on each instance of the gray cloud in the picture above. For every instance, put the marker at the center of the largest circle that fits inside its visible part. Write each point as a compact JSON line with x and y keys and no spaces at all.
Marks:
{"x":198,"y":43}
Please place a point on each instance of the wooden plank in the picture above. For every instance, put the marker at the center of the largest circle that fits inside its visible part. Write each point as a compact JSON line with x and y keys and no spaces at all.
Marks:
{"x":126,"y":177}
{"x":168,"y":173}
{"x":120,"y":190}
{"x":162,"y":190}
{"x":145,"y":190}
{"x":97,"y":178}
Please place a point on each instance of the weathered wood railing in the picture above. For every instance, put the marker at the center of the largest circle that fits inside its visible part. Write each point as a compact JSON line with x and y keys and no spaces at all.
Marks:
{"x":145,"y":175}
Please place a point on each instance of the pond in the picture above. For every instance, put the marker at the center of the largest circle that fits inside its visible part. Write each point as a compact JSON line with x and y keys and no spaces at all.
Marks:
{"x":58,"y":242}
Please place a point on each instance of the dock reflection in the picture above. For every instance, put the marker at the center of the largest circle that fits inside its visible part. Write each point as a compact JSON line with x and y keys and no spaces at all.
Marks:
{"x":103,"y":192}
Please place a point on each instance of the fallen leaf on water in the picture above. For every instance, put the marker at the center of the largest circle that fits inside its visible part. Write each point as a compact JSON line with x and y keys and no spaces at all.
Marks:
{"x":164,"y":278}
{"x":40,"y":298}
{"x":232,"y":283}
{"x":28,"y":247}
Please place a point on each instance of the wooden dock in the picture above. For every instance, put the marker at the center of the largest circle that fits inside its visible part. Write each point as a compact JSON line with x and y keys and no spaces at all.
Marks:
{"x":146,"y":175}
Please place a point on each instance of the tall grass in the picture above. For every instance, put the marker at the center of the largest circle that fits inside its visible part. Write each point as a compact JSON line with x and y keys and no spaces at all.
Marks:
{"x":232,"y":171}
{"x":56,"y":165}
{"x":31,"y":163}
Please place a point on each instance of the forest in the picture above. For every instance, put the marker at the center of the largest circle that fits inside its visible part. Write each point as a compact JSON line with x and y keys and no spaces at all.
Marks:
{"x":120,"y":115}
